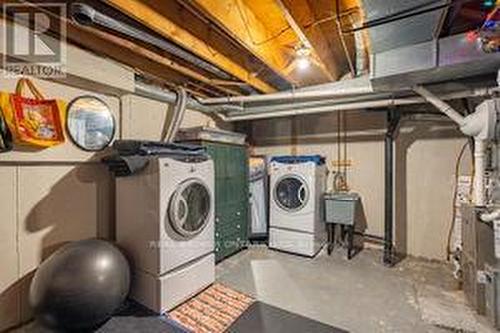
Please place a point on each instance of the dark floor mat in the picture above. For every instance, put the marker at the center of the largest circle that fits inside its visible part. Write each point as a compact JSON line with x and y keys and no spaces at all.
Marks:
{"x":132,"y":324}
{"x":264,"y":318}
{"x":135,"y":318}
{"x":131,"y":318}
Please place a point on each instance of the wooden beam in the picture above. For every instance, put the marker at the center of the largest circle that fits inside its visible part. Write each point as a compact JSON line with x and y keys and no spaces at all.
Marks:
{"x":146,"y":15}
{"x":239,"y":22}
{"x":145,"y":63}
{"x":300,"y":32}
{"x":325,"y":37}
{"x":275,"y":47}
{"x":162,"y":60}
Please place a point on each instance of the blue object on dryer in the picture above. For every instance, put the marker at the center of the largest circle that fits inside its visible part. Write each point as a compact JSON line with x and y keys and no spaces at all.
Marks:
{"x":288,"y":159}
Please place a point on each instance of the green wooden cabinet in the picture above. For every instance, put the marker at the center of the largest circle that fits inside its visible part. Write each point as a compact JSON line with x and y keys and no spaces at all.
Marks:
{"x":231,"y":197}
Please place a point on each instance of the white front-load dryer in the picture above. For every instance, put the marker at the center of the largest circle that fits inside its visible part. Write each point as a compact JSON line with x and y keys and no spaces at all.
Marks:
{"x":296,"y":223}
{"x":165,"y":223}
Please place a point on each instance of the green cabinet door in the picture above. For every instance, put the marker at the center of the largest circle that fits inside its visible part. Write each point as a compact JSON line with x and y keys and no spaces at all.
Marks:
{"x":231,"y":197}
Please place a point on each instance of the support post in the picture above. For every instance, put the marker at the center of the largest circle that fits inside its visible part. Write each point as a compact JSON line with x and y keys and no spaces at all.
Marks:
{"x":392,"y":125}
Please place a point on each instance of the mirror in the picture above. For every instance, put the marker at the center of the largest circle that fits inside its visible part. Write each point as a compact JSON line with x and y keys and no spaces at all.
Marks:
{"x":90,"y":123}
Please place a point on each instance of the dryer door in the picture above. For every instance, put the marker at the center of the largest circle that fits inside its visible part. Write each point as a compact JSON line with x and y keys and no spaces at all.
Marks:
{"x":189,"y":208}
{"x":291,"y":192}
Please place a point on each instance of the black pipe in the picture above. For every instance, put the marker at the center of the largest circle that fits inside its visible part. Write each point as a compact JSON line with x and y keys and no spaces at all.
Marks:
{"x":392,"y":125}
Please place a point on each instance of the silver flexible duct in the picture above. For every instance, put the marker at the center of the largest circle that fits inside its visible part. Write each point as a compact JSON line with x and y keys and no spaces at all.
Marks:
{"x":167,"y":96}
{"x":178,"y":114}
{"x":87,"y":15}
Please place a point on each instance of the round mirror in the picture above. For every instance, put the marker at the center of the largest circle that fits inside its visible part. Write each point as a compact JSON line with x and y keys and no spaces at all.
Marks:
{"x":90,"y":123}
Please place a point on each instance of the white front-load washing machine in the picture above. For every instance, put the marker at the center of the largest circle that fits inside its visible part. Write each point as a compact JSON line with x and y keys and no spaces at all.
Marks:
{"x":165,"y":223}
{"x":297,"y":184}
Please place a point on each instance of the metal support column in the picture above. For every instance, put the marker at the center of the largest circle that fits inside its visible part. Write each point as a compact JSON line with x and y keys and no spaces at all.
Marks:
{"x":392,"y":125}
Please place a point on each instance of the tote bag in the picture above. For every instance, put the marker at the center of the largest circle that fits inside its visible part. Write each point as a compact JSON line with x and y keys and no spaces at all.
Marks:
{"x":33,"y":121}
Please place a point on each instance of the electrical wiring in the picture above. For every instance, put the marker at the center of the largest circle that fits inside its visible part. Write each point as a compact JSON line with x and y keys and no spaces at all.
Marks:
{"x":461,"y":154}
{"x":394,"y":16}
{"x":332,"y":17}
{"x":342,"y":39}
{"x":277,"y":35}
{"x":244,"y":19}
{"x":407,"y":13}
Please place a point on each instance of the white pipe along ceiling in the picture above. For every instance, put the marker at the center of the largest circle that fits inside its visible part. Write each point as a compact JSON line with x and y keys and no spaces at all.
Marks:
{"x":398,"y":64}
{"x":370,"y":104}
{"x":480,"y":125}
{"x":234,"y":113}
{"x":342,"y":88}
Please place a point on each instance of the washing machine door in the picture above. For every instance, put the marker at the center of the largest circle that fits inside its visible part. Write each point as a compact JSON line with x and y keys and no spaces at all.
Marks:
{"x":189,"y":208}
{"x":291,"y":193}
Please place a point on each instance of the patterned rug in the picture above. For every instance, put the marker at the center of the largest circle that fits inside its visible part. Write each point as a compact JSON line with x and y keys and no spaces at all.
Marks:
{"x":213,"y":310}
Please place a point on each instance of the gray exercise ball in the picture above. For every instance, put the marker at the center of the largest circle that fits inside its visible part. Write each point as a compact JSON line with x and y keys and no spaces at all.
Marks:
{"x":80,"y":285}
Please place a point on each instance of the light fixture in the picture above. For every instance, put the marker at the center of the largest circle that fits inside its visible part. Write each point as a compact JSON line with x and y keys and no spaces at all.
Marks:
{"x":303,"y":63}
{"x":303,"y":60}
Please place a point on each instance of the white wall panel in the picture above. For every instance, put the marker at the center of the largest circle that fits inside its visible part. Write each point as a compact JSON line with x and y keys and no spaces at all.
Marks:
{"x":425,"y":158}
{"x":9,"y":289}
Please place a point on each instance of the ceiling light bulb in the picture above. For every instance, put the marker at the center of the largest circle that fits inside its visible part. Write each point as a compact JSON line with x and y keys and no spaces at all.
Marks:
{"x":303,"y":63}
{"x":302,"y":57}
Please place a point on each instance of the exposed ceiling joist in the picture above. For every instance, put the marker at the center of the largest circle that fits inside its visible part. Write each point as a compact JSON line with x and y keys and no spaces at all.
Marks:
{"x":151,"y":18}
{"x":323,"y":35}
{"x":273,"y":42}
{"x":235,"y":18}
{"x":304,"y":39}
{"x":147,"y":62}
{"x":141,"y":51}
{"x":101,"y":44}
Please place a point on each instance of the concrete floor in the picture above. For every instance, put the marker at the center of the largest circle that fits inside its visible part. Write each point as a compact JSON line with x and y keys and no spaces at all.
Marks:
{"x":360,"y":295}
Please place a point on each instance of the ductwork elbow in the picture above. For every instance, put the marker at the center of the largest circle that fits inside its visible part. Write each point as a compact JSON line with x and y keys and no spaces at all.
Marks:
{"x":490,"y":217}
{"x":482,"y":123}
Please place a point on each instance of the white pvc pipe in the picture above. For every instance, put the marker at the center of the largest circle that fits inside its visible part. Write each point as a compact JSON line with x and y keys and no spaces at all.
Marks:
{"x":469,"y":126}
{"x":356,"y":87}
{"x":320,"y":109}
{"x":439,"y":104}
{"x":380,"y":103}
{"x":490,"y":217}
{"x":479,"y":196}
{"x":494,"y":217}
